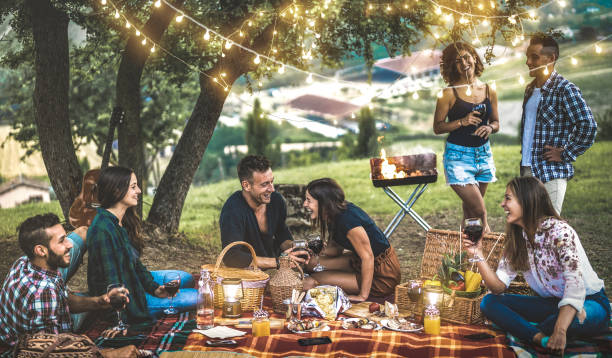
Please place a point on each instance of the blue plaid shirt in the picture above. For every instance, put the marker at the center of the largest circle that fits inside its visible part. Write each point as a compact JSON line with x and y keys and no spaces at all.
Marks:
{"x":563,"y":120}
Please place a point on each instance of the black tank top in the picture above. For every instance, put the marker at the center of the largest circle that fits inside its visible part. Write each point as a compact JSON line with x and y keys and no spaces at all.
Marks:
{"x":463,"y":135}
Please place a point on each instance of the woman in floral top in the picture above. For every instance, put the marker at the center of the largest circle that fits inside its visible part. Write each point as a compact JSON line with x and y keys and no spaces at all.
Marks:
{"x":570,"y":300}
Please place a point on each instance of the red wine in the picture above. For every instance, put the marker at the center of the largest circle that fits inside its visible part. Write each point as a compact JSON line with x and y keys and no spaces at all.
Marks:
{"x":474,"y":232}
{"x":316,"y":246}
{"x":117,"y":302}
{"x":172,"y":288}
{"x":414,"y":293}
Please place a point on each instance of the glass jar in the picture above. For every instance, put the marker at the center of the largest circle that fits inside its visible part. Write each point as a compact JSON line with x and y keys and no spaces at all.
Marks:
{"x":431,"y":320}
{"x":261,"y":324}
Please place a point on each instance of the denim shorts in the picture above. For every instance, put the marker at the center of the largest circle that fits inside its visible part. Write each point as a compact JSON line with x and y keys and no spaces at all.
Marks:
{"x":468,"y":165}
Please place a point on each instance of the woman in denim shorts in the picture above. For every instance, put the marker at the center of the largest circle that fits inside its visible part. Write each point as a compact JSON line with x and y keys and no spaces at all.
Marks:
{"x":467,"y":111}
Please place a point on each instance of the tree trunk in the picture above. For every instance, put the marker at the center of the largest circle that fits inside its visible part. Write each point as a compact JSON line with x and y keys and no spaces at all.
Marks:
{"x":131,"y":143}
{"x":174,"y":185}
{"x":52,"y":66}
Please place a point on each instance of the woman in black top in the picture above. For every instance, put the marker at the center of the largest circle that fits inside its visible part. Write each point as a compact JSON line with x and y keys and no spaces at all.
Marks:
{"x":471,"y":109}
{"x":370,"y":267}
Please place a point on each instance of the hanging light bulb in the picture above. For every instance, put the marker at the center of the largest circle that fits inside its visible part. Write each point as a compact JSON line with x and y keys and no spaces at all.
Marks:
{"x":226,"y":88}
{"x":336,"y":122}
{"x":440,"y":94}
{"x":274,"y":50}
{"x":137,"y":33}
{"x":463,"y":20}
{"x":309,"y":78}
{"x":281,"y":69}
{"x":207,"y":35}
{"x":546,"y":71}
{"x":259,"y":84}
{"x":127,"y":25}
{"x":222,"y":54}
{"x":215,"y":79}
{"x":370,"y":105}
{"x":241,"y":34}
{"x":521,"y":80}
{"x":532,"y":13}
{"x":250,"y":23}
{"x":562,"y":3}
{"x":493,"y":86}
{"x":153,"y":49}
{"x":388,"y":8}
{"x":574,"y":61}
{"x":158,"y":3}
{"x":480,"y":6}
{"x":415,"y":95}
{"x":223,"y":74}
{"x":485,"y":23}
{"x":468,"y":91}
{"x":256,"y":60}
{"x":103,"y":2}
{"x":492,"y":4}
{"x":597,"y":49}
{"x":228,"y":45}
{"x":512,"y":20}
{"x":438,"y":10}
{"x":353,"y":115}
{"x":448,"y":17}
{"x":179,"y":18}
{"x":144,"y":41}
{"x":117,"y":14}
{"x":436,"y":35}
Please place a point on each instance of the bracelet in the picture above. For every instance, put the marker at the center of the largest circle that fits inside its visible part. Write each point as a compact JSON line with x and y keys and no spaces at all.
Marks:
{"x":490,"y":126}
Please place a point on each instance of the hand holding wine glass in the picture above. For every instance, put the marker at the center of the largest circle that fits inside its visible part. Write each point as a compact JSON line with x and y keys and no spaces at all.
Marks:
{"x":117,"y":295}
{"x":316,"y":245}
{"x":172,"y":282}
{"x":473,"y":229}
{"x":299,"y":251}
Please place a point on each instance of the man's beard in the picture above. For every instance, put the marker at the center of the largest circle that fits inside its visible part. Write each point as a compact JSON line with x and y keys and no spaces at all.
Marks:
{"x":54,"y":261}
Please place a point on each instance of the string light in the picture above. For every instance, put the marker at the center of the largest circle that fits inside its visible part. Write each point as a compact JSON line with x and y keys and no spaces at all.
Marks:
{"x":485,"y":22}
{"x":207,"y":35}
{"x":153,"y":49}
{"x":562,"y":3}
{"x":512,"y":20}
{"x":256,"y":60}
{"x":493,"y":85}
{"x":440,"y":94}
{"x":137,"y":33}
{"x":228,"y":45}
{"x":103,"y":2}
{"x":309,"y":78}
{"x":546,"y":72}
{"x":574,"y":61}
{"x":521,"y":80}
{"x":468,"y":91}
{"x":353,"y":115}
{"x":597,"y":49}
{"x":415,"y":95}
{"x":127,"y":25}
{"x":116,"y":14}
{"x":179,"y":18}
{"x":158,"y":3}
{"x":144,"y":41}
{"x":281,"y":69}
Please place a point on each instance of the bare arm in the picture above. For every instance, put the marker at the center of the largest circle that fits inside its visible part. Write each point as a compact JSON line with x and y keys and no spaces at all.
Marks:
{"x":493,"y":126}
{"x":489,"y":276}
{"x":361,"y":242}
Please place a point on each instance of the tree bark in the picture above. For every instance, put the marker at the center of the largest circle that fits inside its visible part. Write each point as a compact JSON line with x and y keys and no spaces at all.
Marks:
{"x":52,"y":70}
{"x":170,"y":197}
{"x":131,"y":143}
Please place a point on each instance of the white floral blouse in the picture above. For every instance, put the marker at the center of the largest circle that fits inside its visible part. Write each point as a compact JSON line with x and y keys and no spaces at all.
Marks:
{"x":558,"y":264}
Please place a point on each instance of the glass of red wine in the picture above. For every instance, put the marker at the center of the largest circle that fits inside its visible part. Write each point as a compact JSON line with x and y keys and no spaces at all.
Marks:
{"x":415,"y":288}
{"x":118,"y":299}
{"x":172,"y":281}
{"x":300,"y":245}
{"x":472,"y":227}
{"x":315,"y":244}
{"x":481,"y":108}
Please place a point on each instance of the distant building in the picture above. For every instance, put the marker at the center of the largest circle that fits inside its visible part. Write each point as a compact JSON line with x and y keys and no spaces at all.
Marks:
{"x":21,"y":191}
{"x":324,"y":107}
{"x":421,"y":64}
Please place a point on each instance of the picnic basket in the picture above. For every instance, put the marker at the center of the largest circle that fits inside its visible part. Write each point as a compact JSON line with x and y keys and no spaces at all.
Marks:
{"x":454,"y":309}
{"x":284,"y":282}
{"x":253,"y":279}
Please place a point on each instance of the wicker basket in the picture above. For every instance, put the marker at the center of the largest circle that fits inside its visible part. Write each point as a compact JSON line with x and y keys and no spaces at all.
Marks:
{"x":253,"y":279}
{"x":283,"y":283}
{"x":454,"y":309}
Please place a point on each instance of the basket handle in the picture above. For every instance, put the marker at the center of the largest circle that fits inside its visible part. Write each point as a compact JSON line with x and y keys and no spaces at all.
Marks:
{"x":252,"y":265}
{"x":298,"y":266}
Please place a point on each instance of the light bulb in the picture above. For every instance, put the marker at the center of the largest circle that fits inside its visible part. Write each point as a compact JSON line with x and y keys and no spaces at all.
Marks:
{"x":597,"y":49}
{"x":116,"y":14}
{"x":485,"y":23}
{"x":103,"y":2}
{"x":241,"y":34}
{"x":144,"y":41}
{"x":532,"y":14}
{"x":512,"y":20}
{"x":562,"y":3}
{"x":223,"y":74}
{"x":436,"y":35}
{"x":438,"y":10}
{"x":521,"y":80}
{"x":493,"y":86}
{"x":226,"y":88}
{"x":207,"y":35}
{"x":281,"y":69}
{"x":215,"y":79}
{"x":158,"y":3}
{"x":353,"y":115}
{"x":463,"y":20}
{"x":574,"y":61}
{"x":415,"y":95}
{"x":137,"y":33}
{"x":440,"y":94}
{"x":127,"y":25}
{"x":153,"y":49}
{"x":448,"y":17}
{"x":228,"y":45}
{"x":309,"y":78}
{"x":480,"y":6}
{"x":256,"y":60}
{"x":179,"y":18}
{"x":492,"y":4}
{"x":388,"y":8}
{"x":259,"y":84}
{"x":250,"y":23}
{"x":546,"y":71}
{"x":468,"y":91}
{"x":336,"y":122}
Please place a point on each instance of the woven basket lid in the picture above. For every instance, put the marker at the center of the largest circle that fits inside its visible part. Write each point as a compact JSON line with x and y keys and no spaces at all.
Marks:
{"x":251,"y":273}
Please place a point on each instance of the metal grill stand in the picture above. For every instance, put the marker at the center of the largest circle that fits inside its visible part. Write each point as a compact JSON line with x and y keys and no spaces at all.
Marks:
{"x":405,"y":208}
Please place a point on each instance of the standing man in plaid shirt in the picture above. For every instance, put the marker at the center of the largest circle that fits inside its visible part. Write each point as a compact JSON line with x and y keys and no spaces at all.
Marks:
{"x":33,"y":297}
{"x":557,"y":125}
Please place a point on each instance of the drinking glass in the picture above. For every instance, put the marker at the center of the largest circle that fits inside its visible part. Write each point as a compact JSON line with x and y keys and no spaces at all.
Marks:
{"x":472,"y":227}
{"x":118,"y":301}
{"x":415,"y":287}
{"x":172,"y":281}
{"x":300,"y":245}
{"x":315,"y":244}
{"x":482,"y":109}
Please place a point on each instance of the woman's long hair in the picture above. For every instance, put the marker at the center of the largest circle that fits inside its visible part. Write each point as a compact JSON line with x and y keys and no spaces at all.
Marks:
{"x":112,"y":186}
{"x":448,"y":62}
{"x":536,"y":205}
{"x":330,"y":198}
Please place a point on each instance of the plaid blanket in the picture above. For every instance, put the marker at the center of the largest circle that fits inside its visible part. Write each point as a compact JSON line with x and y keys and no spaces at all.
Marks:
{"x":365,"y":343}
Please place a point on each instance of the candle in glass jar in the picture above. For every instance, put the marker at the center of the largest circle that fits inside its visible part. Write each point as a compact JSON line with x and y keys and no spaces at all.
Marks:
{"x":261,"y":324}
{"x":431,"y":321}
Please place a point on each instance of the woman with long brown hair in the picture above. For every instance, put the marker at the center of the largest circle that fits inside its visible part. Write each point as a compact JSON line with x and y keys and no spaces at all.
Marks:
{"x":570,"y":300}
{"x":467,"y":111}
{"x":114,"y":245}
{"x":371,"y":267}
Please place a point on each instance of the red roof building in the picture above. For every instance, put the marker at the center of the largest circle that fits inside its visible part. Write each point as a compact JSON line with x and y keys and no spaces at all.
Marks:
{"x":322,"y":106}
{"x":426,"y":62}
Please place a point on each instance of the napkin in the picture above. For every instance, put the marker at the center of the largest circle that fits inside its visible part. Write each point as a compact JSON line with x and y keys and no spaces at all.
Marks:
{"x":220,"y":332}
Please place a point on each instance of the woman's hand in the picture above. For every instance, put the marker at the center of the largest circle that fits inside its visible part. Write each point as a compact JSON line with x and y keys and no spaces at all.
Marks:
{"x":556,"y":342}
{"x":484,"y":131}
{"x":356,"y":298}
{"x":471,"y":119}
{"x":294,"y":255}
{"x":161,"y":292}
{"x":471,"y":248}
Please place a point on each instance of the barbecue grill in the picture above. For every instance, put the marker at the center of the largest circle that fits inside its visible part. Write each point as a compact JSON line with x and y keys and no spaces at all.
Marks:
{"x":418,"y":169}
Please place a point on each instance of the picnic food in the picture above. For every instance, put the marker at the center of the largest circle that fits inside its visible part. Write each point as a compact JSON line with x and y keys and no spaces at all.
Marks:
{"x":374,"y":307}
{"x":304,"y":325}
{"x":325,"y":301}
{"x":472,"y":281}
{"x":391,"y":309}
{"x":363,"y":323}
{"x":401,"y":324}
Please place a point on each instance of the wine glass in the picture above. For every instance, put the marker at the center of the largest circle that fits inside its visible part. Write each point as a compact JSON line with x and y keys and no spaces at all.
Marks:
{"x":472,"y":227}
{"x":117,"y":301}
{"x":172,"y":281}
{"x":315,"y":244}
{"x":300,"y":245}
{"x":481,"y":108}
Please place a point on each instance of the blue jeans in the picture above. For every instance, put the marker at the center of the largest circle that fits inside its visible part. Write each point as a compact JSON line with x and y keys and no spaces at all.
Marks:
{"x":468,"y":165}
{"x":185,"y":300}
{"x":514,"y":312}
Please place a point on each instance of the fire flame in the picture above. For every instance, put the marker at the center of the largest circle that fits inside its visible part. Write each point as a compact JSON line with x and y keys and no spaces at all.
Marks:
{"x":389,"y":171}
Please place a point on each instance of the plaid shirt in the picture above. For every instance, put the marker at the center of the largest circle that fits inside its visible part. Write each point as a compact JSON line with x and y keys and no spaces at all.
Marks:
{"x":113,"y":259}
{"x":563,"y":120}
{"x":32,"y":300}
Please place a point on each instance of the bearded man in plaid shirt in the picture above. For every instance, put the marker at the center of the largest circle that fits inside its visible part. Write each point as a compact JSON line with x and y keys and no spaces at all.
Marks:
{"x":557,"y":125}
{"x":34,"y":298}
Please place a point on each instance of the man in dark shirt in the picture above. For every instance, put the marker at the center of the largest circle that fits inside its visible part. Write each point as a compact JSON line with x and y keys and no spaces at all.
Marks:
{"x":256,"y":214}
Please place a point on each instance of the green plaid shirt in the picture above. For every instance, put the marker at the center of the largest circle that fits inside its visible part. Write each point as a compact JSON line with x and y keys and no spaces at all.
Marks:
{"x":113,"y":259}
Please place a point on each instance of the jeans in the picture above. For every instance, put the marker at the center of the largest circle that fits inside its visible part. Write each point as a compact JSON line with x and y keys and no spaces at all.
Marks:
{"x":468,"y":165}
{"x":556,"y":189}
{"x":185,"y":300}
{"x":514,"y":312}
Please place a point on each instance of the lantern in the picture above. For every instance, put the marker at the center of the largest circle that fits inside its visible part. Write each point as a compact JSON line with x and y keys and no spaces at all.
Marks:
{"x":232,"y":293}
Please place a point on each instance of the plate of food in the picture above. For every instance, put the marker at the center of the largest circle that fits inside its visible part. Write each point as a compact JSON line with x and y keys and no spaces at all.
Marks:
{"x":362,"y":323}
{"x":401,"y":325}
{"x":307,"y":326}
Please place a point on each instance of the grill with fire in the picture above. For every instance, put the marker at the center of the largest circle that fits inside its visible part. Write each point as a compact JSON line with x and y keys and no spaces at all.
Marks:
{"x":403,"y":170}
